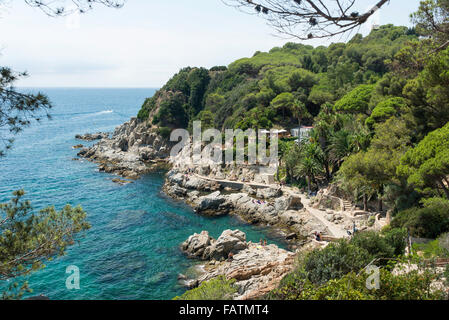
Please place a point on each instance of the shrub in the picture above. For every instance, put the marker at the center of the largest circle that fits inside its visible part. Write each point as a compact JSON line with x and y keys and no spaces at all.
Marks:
{"x":334,"y":261}
{"x":164,"y":132}
{"x":397,"y":238}
{"x":415,"y":285}
{"x":216,"y":289}
{"x":375,"y":244}
{"x":427,"y":222}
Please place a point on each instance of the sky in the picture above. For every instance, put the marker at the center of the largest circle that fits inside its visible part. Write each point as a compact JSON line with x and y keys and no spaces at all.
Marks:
{"x":144,"y":43}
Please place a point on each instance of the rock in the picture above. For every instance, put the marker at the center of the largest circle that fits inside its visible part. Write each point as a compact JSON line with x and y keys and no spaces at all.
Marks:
{"x":175,"y":177}
{"x":229,"y":241}
{"x":132,"y":150}
{"x":177,"y":191}
{"x":210,"y":204}
{"x":120,"y":181}
{"x":92,"y":136}
{"x":291,"y":236}
{"x":195,"y":245}
{"x":268,"y":193}
{"x":196,"y":183}
{"x":248,"y":190}
{"x":256,"y":269}
{"x":83,"y":152}
{"x":78,"y":146}
{"x":182,"y":277}
{"x":282,"y":203}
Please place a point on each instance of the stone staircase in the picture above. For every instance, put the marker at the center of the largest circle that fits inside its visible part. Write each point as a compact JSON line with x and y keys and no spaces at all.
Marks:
{"x":347,"y":205}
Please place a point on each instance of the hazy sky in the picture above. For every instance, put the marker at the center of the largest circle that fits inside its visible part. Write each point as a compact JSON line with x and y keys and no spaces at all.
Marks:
{"x":142,"y":44}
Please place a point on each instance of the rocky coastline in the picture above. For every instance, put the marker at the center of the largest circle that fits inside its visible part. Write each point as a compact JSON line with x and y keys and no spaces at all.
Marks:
{"x":135,"y":148}
{"x":257,"y":268}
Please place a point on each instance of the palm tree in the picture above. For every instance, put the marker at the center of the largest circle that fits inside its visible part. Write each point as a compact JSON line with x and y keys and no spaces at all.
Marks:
{"x":300,"y":111}
{"x":310,"y":163}
{"x":340,"y":146}
{"x":308,"y":168}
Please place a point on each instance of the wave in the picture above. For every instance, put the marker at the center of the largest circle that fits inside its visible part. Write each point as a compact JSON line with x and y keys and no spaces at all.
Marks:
{"x":83,"y":113}
{"x":103,"y":112}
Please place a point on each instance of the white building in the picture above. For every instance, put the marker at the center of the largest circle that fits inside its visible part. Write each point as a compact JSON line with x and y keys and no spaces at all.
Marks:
{"x":301,"y":133}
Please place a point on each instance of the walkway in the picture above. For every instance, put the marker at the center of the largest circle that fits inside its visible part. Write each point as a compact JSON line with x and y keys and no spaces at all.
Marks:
{"x":336,"y":231}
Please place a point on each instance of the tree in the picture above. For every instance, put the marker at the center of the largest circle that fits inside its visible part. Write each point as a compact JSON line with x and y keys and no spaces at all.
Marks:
{"x":340,"y":147}
{"x":427,"y":222}
{"x":283,"y":101}
{"x":334,"y":261}
{"x":309,"y":19}
{"x":370,"y":171}
{"x":427,"y":165}
{"x":356,"y":101}
{"x":310,"y":163}
{"x":432,"y":19}
{"x":385,"y":110}
{"x":60,"y":7}
{"x":27,"y":239}
{"x":300,"y":111}
{"x":18,"y":109}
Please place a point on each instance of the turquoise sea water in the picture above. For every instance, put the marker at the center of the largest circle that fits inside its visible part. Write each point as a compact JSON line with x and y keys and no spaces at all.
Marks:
{"x":132,"y":250}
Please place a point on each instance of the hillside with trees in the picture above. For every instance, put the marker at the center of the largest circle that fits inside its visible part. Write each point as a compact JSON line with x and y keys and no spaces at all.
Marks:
{"x":378,"y":107}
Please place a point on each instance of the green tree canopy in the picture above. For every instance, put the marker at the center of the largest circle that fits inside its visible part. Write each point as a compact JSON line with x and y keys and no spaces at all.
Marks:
{"x":427,"y":165}
{"x":28,"y":239}
{"x":356,"y":101}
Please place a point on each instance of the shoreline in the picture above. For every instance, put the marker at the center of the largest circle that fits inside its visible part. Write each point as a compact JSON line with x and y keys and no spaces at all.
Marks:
{"x":242,"y":191}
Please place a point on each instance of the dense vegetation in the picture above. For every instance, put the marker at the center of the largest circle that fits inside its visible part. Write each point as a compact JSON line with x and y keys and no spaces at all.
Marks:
{"x":216,"y":289}
{"x":338,"y":272}
{"x":378,"y":105}
{"x":267,"y":89}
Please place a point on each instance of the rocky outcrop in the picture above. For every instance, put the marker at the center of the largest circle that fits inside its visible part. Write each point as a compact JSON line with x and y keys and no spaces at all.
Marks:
{"x":204,"y":247}
{"x":195,"y":245}
{"x":212,"y":204}
{"x":133,"y":149}
{"x":268,"y":193}
{"x":257,"y":269}
{"x":92,"y":136}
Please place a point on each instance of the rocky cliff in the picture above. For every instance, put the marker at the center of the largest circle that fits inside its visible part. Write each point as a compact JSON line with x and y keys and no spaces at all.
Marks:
{"x":133,"y":149}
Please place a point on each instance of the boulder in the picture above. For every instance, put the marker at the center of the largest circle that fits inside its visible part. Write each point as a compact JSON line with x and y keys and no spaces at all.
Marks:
{"x":202,"y":246}
{"x":268,"y":193}
{"x":210,"y":203}
{"x":196,"y":244}
{"x":177,"y":191}
{"x":250,"y":191}
{"x":282,"y":203}
{"x":92,"y":136}
{"x":195,"y":183}
{"x":229,"y":241}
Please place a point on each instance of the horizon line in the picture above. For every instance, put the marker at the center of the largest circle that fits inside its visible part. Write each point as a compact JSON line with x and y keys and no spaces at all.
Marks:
{"x":80,"y":87}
